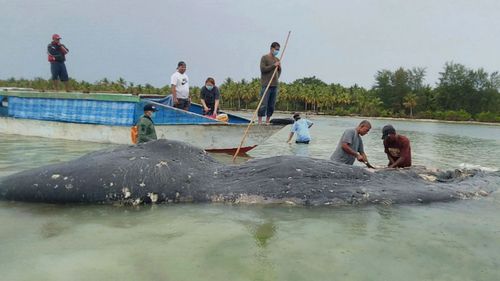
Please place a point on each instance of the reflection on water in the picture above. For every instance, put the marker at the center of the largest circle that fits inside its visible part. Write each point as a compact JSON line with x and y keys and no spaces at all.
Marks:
{"x":263,"y":232}
{"x":453,"y":241}
{"x":217,"y":242}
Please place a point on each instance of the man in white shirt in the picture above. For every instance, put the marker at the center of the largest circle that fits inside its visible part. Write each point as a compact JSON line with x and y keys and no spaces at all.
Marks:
{"x":179,"y":84}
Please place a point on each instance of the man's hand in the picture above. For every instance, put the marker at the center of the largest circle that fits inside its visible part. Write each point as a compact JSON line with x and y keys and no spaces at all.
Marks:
{"x":360,"y":157}
{"x":206,"y":109}
{"x":176,"y":101}
{"x":278,"y":64}
{"x":63,"y":48}
{"x":365,"y":159}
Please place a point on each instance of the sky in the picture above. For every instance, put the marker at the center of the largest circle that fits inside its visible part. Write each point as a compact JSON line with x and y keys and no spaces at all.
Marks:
{"x":343,"y":42}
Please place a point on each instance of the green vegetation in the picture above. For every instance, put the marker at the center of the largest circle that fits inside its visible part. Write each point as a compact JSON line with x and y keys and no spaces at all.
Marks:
{"x":461,"y":94}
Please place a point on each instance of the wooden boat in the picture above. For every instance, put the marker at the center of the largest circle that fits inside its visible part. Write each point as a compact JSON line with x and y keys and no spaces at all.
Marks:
{"x":107,"y":118}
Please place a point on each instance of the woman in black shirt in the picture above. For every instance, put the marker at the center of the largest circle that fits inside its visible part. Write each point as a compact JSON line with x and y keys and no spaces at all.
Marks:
{"x":210,"y":98}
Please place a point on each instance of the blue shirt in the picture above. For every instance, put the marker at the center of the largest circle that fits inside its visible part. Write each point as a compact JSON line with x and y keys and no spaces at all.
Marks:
{"x":301,"y":128}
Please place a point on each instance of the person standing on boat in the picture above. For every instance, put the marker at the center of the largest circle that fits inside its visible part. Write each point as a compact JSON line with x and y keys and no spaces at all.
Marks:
{"x":397,"y":147}
{"x":210,"y":95}
{"x":57,"y":56}
{"x":350,"y":146}
{"x":268,"y":63}
{"x":179,"y":84}
{"x":301,"y":127}
{"x":145,"y":125}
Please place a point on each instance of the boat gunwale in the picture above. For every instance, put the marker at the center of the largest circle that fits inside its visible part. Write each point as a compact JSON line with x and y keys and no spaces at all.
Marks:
{"x":72,"y":95}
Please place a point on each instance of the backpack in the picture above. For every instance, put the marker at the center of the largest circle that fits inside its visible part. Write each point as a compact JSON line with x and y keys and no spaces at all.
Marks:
{"x":134,"y":134}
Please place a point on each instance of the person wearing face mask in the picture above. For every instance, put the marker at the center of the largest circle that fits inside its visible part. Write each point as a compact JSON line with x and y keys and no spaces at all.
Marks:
{"x":210,"y":95}
{"x":268,"y":63}
{"x":145,"y":125}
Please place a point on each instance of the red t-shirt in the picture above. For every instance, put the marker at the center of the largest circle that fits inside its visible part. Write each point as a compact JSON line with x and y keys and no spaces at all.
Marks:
{"x":400,"y":147}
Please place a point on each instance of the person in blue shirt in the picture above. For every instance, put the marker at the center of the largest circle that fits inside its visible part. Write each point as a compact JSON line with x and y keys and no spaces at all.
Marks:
{"x":301,"y":127}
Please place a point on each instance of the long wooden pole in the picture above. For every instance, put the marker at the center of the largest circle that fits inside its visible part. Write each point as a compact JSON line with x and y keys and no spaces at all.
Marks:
{"x":261,"y":99}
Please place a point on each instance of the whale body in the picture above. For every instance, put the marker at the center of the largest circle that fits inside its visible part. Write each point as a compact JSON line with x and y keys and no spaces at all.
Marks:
{"x":166,"y":171}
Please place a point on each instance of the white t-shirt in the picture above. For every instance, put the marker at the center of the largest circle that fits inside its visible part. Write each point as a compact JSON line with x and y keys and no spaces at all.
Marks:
{"x":181,"y":82}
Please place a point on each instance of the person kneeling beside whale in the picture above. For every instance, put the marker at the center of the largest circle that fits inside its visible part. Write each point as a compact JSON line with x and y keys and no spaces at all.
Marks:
{"x":350,"y":146}
{"x":397,"y":147}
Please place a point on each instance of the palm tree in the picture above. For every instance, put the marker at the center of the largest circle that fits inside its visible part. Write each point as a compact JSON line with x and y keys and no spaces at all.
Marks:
{"x":410,"y":101}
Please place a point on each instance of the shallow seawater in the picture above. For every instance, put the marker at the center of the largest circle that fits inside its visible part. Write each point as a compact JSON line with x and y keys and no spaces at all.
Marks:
{"x":444,"y":241}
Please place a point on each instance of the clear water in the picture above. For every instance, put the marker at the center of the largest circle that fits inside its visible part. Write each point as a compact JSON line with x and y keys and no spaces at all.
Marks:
{"x":449,"y":241}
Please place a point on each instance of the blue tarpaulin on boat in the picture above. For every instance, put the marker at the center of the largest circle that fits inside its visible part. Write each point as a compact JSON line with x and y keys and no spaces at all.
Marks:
{"x":168,"y":100}
{"x":172,"y":116}
{"x":74,"y":110}
{"x":3,"y":106}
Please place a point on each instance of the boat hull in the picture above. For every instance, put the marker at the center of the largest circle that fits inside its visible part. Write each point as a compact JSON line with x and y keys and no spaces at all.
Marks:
{"x":212,"y":137}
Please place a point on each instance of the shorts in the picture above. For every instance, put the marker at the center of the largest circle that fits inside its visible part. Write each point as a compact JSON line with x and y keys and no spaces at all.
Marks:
{"x":58,"y":70}
{"x":183,"y":104}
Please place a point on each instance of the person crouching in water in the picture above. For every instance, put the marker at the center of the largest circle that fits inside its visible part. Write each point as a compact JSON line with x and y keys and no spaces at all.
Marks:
{"x":301,"y":127}
{"x":210,"y":96}
{"x":146,"y":127}
{"x":397,"y":147}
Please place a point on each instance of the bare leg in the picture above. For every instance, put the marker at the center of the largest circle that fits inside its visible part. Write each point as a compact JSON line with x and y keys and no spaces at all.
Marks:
{"x":259,"y":119}
{"x":268,"y":120}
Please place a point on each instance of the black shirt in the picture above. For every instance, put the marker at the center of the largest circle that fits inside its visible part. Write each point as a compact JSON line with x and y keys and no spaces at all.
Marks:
{"x":57,"y":52}
{"x":209,"y":96}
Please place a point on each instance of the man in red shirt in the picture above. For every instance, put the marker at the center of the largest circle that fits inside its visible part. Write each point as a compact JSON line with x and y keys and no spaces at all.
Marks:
{"x":57,"y":56}
{"x":397,"y":148}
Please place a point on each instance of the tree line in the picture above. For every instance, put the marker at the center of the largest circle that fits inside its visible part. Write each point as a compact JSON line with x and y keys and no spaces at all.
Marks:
{"x":460,"y":94}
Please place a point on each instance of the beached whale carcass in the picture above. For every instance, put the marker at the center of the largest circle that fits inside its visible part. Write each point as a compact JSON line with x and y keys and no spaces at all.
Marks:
{"x":172,"y":171}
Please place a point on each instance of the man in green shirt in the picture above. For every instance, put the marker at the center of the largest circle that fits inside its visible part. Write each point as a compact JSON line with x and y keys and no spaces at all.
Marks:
{"x":268,"y":63}
{"x":145,"y":125}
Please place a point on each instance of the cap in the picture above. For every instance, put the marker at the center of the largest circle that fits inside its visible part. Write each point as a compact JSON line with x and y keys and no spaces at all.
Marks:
{"x":150,"y":107}
{"x":296,"y":115}
{"x":386,"y":130}
{"x":181,"y":63}
{"x":56,"y":36}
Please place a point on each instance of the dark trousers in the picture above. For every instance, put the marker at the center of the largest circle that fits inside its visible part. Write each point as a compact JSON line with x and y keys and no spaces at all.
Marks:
{"x":267,"y":106}
{"x":58,"y":71}
{"x":183,"y":104}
